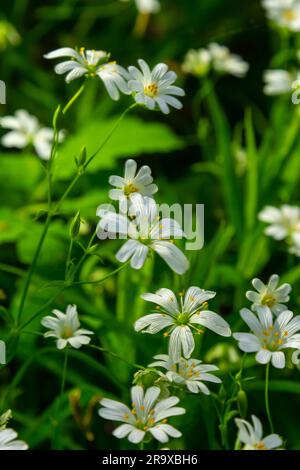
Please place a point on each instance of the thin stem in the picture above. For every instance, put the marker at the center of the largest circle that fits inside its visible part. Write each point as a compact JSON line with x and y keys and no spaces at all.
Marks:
{"x":142,"y":445}
{"x":43,"y":308}
{"x":62,"y":388}
{"x":83,"y":283}
{"x":267,"y":397}
{"x":69,"y":258}
{"x":73,"y":99}
{"x":32,"y":267}
{"x":110,"y":353}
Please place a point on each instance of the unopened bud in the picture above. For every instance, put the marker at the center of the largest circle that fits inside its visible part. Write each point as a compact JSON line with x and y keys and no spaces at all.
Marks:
{"x":75,"y":226}
{"x":242,"y":402}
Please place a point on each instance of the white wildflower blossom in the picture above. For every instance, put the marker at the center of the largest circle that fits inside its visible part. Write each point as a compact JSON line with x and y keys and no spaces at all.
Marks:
{"x":251,"y":434}
{"x":9,"y":441}
{"x":269,"y":295}
{"x":65,"y":327}
{"x":132,"y":182}
{"x":25,"y":130}
{"x":148,"y":415}
{"x":146,"y":6}
{"x":278,"y":82}
{"x":91,"y":63}
{"x":284,"y":13}
{"x":182,"y":319}
{"x":284,"y":224}
{"x":269,"y":338}
{"x":145,"y":232}
{"x":197,"y":62}
{"x":188,"y":372}
{"x":154,"y":88}
{"x":224,"y":61}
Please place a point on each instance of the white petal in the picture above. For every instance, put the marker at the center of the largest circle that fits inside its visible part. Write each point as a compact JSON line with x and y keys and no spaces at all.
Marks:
{"x":263,"y":356}
{"x":172,"y":255}
{"x":213,"y":321}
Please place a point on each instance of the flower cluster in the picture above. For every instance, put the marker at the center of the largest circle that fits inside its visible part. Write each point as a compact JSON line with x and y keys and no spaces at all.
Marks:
{"x":283,"y":224}
{"x":153,"y":89}
{"x":273,"y":327}
{"x":216,"y":58}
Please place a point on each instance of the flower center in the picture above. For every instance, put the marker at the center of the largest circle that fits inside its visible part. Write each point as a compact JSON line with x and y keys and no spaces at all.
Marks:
{"x":260,"y":446}
{"x":272,"y":340}
{"x":268,"y":300}
{"x":151,"y":90}
{"x":129,"y":189}
{"x":183,"y":319}
{"x":289,"y":15}
{"x":67,"y":332}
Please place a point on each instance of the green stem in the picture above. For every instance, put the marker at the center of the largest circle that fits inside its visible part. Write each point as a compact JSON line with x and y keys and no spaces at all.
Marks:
{"x":142,"y":445}
{"x":110,"y":353}
{"x":32,"y":267}
{"x":267,"y":397}
{"x":69,"y":258}
{"x":73,"y":99}
{"x":43,"y":308}
{"x":56,"y":424}
{"x":83,"y":283}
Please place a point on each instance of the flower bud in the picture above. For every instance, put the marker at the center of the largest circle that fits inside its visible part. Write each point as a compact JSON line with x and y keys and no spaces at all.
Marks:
{"x":75,"y":226}
{"x":242,"y":402}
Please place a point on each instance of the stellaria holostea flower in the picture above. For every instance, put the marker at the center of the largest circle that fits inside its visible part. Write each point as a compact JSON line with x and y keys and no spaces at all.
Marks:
{"x":91,"y":63}
{"x":284,"y":224}
{"x":278,"y":82}
{"x":66,"y":328}
{"x":284,"y":13}
{"x":8,"y":440}
{"x":269,"y":337}
{"x":197,"y":62}
{"x":269,"y":295}
{"x":154,"y":88}
{"x":188,"y":372}
{"x":252,"y":435}
{"x":181,"y":318}
{"x":224,"y":61}
{"x":25,"y":130}
{"x":145,"y":232}
{"x":132,"y":182}
{"x":148,"y":414}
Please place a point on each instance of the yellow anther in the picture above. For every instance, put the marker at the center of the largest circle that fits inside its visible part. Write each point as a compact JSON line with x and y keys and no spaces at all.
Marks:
{"x":285,"y":333}
{"x":266,"y":333}
{"x":142,"y":407}
{"x":126,"y":416}
{"x":279,"y":342}
{"x":151,"y":90}
{"x":166,"y":334}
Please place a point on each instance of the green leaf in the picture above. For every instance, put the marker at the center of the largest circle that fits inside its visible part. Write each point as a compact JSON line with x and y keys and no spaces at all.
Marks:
{"x":132,"y":138}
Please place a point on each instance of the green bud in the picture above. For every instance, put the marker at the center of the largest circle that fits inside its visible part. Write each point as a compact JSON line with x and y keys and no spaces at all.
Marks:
{"x":75,"y":226}
{"x":80,"y":161}
{"x":4,"y":419}
{"x":242,"y":402}
{"x":146,"y":377}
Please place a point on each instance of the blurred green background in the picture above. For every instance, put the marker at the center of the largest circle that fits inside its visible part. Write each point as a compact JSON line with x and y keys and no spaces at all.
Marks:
{"x":234,"y":157}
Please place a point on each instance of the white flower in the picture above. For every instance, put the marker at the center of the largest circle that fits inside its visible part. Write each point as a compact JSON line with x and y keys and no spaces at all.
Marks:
{"x":269,"y":295}
{"x":146,"y":6}
{"x":148,"y":415}
{"x":154,"y":89}
{"x":284,"y":223}
{"x":225,"y":62}
{"x":189,"y":372}
{"x":284,"y":13}
{"x":8,"y":440}
{"x":66,"y":328}
{"x":145,"y":232}
{"x":252,"y":435}
{"x":181,"y":318}
{"x":90,"y":63}
{"x":132,"y":182}
{"x":277,"y":82}
{"x":269,"y":338}
{"x":197,"y":62}
{"x":26,"y":130}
